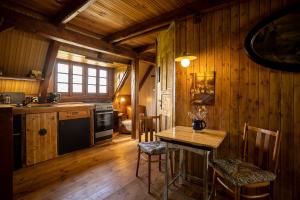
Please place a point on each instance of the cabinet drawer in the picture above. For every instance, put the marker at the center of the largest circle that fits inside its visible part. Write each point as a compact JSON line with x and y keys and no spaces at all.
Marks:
{"x":67,"y":115}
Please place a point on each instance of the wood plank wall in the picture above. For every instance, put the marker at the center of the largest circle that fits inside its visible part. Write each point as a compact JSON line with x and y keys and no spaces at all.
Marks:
{"x":21,"y":52}
{"x":245,"y":91}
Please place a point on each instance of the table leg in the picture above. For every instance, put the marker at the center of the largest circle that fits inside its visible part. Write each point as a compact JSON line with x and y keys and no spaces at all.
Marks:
{"x":205,"y":171}
{"x":166,"y":173}
{"x":181,"y":166}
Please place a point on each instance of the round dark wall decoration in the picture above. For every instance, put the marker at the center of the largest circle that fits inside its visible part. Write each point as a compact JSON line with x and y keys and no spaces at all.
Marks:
{"x":275,"y":41}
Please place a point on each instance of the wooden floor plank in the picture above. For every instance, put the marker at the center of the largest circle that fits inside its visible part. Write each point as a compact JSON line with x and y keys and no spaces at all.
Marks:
{"x":101,"y":172}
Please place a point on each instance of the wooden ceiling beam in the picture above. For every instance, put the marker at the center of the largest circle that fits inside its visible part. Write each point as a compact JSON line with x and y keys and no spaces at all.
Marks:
{"x":50,"y":31}
{"x":48,"y":67}
{"x":166,"y":18}
{"x":145,"y":48}
{"x":148,"y":59}
{"x":71,"y":11}
{"x":145,"y":76}
{"x":143,"y":33}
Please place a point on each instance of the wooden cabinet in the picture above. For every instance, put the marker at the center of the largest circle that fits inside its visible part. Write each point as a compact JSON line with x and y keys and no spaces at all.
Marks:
{"x":41,"y":137}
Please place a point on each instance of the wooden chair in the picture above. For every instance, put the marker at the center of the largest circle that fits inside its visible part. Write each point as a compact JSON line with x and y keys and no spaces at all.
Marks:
{"x":253,"y":171}
{"x":151,"y":147}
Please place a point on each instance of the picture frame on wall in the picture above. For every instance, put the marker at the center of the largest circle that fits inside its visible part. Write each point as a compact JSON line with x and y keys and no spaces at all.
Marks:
{"x":203,"y":88}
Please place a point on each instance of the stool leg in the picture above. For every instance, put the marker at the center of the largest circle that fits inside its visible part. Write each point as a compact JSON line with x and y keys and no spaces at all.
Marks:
{"x":159,"y":163}
{"x":213,"y":190}
{"x":149,"y":173}
{"x":138,"y":163}
{"x":171,"y":164}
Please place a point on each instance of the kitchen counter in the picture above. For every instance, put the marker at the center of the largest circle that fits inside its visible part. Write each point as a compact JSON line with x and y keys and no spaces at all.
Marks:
{"x":45,"y":108}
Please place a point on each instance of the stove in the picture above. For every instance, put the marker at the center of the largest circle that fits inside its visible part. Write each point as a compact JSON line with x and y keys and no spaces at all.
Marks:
{"x":103,"y":125}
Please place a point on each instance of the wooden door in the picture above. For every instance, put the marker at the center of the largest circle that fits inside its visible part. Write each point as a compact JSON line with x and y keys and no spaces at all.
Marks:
{"x":165,"y":78}
{"x":41,"y":137}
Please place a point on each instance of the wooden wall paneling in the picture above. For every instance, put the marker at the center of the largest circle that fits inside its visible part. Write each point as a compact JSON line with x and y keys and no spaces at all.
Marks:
{"x":27,"y":87}
{"x":234,"y":81}
{"x":218,"y":68}
{"x":296,"y":145}
{"x":253,"y":101}
{"x":20,"y":52}
{"x":210,"y":61}
{"x":244,"y":70}
{"x":225,"y":96}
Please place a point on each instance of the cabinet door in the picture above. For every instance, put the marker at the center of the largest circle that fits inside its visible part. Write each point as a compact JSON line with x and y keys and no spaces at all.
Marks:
{"x":41,"y":137}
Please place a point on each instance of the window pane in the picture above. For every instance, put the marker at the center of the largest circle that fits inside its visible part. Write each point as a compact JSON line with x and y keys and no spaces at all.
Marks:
{"x":62,"y":78}
{"x":77,"y":70}
{"x":64,"y":68}
{"x":102,"y":81}
{"x":102,"y":73}
{"x":102,"y":89}
{"x":91,"y":88}
{"x":91,"y":72}
{"x":77,"y":88}
{"x":92,"y":80}
{"x":62,"y":87}
{"x":77,"y":79}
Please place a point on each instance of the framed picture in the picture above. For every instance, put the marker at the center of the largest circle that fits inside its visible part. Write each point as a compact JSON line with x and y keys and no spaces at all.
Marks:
{"x":203,"y":88}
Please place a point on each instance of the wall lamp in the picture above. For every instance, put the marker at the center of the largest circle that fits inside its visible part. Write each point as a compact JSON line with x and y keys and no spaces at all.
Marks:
{"x":185,"y":59}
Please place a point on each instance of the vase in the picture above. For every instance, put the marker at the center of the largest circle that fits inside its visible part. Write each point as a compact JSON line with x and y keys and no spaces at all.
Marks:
{"x":198,"y":125}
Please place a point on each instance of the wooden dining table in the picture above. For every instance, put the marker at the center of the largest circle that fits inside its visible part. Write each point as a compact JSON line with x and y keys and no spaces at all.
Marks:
{"x":202,"y":142}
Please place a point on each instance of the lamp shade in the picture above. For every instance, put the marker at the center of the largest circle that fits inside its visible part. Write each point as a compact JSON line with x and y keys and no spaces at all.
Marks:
{"x":185,"y":59}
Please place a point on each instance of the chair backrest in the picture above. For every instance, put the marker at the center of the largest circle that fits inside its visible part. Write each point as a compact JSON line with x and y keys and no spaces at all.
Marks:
{"x":262,"y":152}
{"x":150,"y":125}
{"x":141,"y":110}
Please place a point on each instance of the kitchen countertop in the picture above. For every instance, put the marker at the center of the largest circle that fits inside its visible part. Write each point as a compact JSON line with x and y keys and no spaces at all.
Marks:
{"x":42,"y":108}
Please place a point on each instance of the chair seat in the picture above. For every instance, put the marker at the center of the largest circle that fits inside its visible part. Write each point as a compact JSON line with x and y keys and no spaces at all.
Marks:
{"x":241,"y":173}
{"x":153,"y":147}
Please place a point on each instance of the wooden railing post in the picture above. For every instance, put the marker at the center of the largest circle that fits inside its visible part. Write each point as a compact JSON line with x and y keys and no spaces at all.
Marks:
{"x":135,"y":97}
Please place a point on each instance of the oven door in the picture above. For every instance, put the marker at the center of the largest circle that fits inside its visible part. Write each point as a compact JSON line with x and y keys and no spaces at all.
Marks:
{"x":103,"y":120}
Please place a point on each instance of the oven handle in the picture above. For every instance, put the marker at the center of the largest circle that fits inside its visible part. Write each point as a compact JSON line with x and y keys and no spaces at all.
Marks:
{"x":97,"y":113}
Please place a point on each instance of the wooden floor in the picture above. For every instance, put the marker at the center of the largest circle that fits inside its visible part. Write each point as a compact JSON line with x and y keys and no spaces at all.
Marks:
{"x":101,"y":172}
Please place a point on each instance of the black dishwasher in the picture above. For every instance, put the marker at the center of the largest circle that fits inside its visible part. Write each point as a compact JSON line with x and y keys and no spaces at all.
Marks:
{"x":74,"y":132}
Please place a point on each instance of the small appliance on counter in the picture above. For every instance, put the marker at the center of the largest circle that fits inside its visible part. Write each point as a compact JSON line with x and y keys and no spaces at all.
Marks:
{"x":53,"y":97}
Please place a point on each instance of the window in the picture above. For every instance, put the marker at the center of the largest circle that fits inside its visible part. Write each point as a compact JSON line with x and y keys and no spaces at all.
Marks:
{"x":77,"y":79}
{"x":80,"y":79}
{"x":62,"y":77}
{"x":92,"y":79}
{"x":102,"y":81}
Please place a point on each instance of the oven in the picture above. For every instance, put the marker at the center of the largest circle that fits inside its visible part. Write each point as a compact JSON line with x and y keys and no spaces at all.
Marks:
{"x":103,"y":121}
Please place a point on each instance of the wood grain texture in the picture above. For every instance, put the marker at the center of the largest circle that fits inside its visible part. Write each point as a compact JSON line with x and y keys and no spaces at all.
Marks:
{"x":6,"y":153}
{"x":41,"y":147}
{"x":101,"y":172}
{"x":245,"y":91}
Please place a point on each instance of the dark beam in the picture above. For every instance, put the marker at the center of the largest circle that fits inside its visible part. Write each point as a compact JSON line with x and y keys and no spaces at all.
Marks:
{"x":166,"y":18}
{"x":145,"y":48}
{"x":94,"y":55}
{"x":148,"y":59}
{"x":122,"y":82}
{"x":140,"y":34}
{"x":145,"y":76}
{"x":4,"y":26}
{"x":63,"y":35}
{"x":113,"y":58}
{"x":6,"y":153}
{"x":48,"y":67}
{"x":135,"y":98}
{"x":71,"y":11}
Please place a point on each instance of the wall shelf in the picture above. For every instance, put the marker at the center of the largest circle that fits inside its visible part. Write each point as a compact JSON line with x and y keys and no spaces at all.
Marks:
{"x":19,"y":78}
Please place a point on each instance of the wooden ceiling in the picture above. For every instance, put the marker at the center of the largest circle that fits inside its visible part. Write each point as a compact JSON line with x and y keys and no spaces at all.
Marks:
{"x":114,"y":24}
